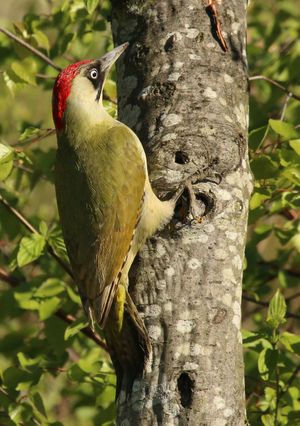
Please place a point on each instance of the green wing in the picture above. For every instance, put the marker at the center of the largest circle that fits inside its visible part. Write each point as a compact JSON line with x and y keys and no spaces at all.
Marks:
{"x":100,"y":187}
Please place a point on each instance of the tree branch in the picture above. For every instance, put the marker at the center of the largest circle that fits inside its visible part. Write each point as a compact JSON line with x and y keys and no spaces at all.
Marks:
{"x":30,"y":48}
{"x":275,"y":83}
{"x":293,"y":296}
{"x":14,"y":282}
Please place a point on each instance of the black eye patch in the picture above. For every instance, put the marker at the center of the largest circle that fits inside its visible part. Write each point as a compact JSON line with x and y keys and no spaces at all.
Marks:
{"x":94,"y":74}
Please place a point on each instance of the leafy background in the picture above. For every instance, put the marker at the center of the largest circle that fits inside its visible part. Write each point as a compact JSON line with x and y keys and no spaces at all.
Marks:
{"x":53,"y":369}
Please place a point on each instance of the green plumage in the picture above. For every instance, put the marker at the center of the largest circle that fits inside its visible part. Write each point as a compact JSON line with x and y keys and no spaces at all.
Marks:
{"x":106,"y":206}
{"x":100,"y":182}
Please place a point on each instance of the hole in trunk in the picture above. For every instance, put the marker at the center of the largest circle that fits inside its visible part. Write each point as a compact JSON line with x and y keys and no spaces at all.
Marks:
{"x":186,"y":388}
{"x":207,"y":201}
{"x":181,"y":157}
{"x":169,"y":44}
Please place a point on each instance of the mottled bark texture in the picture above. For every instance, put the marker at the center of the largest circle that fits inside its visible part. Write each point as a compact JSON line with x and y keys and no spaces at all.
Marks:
{"x":187,"y":100}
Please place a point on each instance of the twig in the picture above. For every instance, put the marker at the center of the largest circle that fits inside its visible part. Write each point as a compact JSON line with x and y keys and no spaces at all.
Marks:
{"x":33,"y":139}
{"x":287,"y":99}
{"x":31,"y":48}
{"x":18,"y":215}
{"x":86,"y":330}
{"x":30,"y":228}
{"x":14,"y":282}
{"x":275,"y":83}
{"x":45,"y":76}
{"x":9,"y":279}
{"x":292,"y":297}
{"x":277,"y":394}
{"x":266,"y":305}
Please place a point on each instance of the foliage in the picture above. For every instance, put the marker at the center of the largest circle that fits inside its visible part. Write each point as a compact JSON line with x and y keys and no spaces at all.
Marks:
{"x":52,"y":371}
{"x":272,"y":347}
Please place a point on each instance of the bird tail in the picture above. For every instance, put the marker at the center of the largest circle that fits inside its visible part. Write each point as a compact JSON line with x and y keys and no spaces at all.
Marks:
{"x":127,"y":339}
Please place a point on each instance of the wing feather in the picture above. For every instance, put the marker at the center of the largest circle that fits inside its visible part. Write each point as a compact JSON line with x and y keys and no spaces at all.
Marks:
{"x":99,"y":201}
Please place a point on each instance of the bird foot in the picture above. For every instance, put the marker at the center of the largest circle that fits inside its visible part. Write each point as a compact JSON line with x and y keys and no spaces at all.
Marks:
{"x":203,"y":197}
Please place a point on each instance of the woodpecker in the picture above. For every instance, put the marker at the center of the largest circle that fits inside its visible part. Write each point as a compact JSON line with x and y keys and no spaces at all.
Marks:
{"x":106,"y":205}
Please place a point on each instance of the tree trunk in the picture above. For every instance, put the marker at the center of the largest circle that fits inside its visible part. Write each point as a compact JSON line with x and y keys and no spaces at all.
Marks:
{"x":186,"y":98}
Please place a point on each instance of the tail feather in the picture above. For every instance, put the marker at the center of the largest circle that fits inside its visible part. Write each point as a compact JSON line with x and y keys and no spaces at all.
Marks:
{"x":129,"y":346}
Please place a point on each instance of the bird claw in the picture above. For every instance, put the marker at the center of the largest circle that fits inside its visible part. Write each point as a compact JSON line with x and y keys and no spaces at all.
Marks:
{"x":193,"y":207}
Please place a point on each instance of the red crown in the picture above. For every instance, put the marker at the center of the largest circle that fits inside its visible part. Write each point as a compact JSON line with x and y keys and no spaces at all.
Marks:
{"x":61,"y":91}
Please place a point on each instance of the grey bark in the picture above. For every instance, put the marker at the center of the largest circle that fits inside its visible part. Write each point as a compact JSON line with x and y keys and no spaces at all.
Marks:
{"x":187,"y":100}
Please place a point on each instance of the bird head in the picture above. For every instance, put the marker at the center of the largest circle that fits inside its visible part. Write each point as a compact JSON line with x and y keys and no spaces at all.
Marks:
{"x":77,"y":92}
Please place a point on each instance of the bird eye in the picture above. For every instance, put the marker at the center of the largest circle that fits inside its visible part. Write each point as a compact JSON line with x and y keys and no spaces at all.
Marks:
{"x":94,"y":73}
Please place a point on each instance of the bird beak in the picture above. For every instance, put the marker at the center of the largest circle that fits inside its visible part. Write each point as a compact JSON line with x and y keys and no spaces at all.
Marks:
{"x":110,"y":58}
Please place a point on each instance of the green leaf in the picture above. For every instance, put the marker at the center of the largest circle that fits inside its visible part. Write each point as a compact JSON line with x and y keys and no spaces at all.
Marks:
{"x":56,"y":241}
{"x":30,"y":132}
{"x":263,"y":229}
{"x":25,"y":71}
{"x":73,"y":296}
{"x":25,"y":361}
{"x":41,"y":39}
{"x":91,"y":362}
{"x":91,"y":5}
{"x":292,"y":174}
{"x":264,"y":168}
{"x":43,"y":228}
{"x":39,"y":405}
{"x":266,"y":363}
{"x":20,"y":29}
{"x":20,"y":414}
{"x":295,"y":144}
{"x":19,"y":379}
{"x":48,"y":307}
{"x":75,"y":373}
{"x":252,"y":340}
{"x":66,"y":41}
{"x":267,"y":420}
{"x":257,"y":199}
{"x":290,"y":341}
{"x":50,"y":287}
{"x":99,"y":25}
{"x":30,"y":249}
{"x":295,"y":241}
{"x":10,"y":81}
{"x":277,"y":310}
{"x":6,"y":161}
{"x":74,"y":328}
{"x":286,"y":130}
{"x":30,"y":305}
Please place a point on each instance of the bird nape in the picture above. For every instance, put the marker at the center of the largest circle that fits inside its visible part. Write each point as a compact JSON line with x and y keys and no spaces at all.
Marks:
{"x":107,"y":208}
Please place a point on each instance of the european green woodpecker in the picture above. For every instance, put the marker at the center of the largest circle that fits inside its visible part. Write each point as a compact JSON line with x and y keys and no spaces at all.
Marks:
{"x":106,"y":205}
